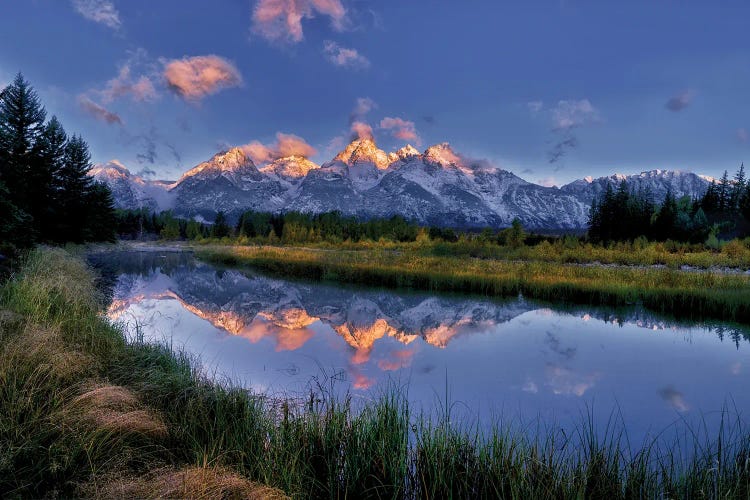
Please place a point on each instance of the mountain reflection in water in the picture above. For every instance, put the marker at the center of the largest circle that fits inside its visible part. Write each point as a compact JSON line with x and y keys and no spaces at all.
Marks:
{"x":510,"y":357}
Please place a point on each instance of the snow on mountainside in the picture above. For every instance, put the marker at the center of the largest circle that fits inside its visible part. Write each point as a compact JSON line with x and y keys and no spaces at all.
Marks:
{"x":130,"y":191}
{"x":437,"y":187}
{"x":657,"y":182}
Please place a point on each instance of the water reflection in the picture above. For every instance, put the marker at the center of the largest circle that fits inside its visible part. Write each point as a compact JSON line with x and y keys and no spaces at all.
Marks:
{"x":513,"y":357}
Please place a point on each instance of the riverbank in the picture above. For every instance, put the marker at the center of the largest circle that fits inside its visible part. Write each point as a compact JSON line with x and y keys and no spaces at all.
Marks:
{"x":84,"y":412}
{"x":684,"y":294}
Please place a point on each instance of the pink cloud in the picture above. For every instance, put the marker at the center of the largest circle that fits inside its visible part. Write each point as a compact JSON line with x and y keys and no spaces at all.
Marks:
{"x":344,"y":57}
{"x":193,"y":78}
{"x":285,"y":145}
{"x":361,"y":130}
{"x":281,"y":20}
{"x":401,"y":129}
{"x":99,"y":112}
{"x":547,"y":182}
{"x":140,"y":89}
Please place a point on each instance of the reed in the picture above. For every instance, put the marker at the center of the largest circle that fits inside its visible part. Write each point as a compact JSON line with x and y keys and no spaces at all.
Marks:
{"x":71,"y":388}
{"x":688,"y":295}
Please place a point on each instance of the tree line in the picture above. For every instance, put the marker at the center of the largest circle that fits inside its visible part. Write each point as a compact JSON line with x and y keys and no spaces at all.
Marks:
{"x":624,"y":213}
{"x":46,"y":194}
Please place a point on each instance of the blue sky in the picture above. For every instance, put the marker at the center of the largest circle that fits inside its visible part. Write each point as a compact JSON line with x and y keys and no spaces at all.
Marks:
{"x":552,"y":90}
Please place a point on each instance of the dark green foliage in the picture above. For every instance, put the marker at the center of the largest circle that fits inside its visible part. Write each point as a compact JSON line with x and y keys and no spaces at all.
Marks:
{"x":220,"y":229}
{"x":625,"y":215}
{"x":46,"y":176}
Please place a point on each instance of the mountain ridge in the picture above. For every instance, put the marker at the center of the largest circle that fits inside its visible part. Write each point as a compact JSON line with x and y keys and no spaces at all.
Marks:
{"x":436,"y":187}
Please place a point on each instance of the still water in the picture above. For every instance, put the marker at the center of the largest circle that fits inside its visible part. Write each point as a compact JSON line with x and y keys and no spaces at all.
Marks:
{"x":488,"y":360}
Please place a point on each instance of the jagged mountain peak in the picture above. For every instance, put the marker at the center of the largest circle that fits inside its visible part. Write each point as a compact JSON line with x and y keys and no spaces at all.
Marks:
{"x":292,"y":167}
{"x":444,"y":155}
{"x":363,"y":150}
{"x":405,"y":153}
{"x":232,"y":161}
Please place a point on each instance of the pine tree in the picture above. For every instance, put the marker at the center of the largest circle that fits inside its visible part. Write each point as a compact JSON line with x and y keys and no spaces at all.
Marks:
{"x":75,"y":185}
{"x":710,"y":200}
{"x":724,"y":192}
{"x":100,"y":219}
{"x":44,"y":177}
{"x":220,"y":228}
{"x":14,"y":224}
{"x":21,"y":125}
{"x":738,"y":189}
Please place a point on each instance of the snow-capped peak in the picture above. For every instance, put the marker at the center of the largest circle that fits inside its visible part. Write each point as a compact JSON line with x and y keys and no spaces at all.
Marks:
{"x":404,"y":153}
{"x":231,"y":161}
{"x":363,"y":151}
{"x":292,"y":167}
{"x":112,"y":169}
{"x":444,"y":155}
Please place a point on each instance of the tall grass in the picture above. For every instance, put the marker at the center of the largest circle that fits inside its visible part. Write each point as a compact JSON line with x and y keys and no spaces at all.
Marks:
{"x":682,"y":294}
{"x":70,"y":387}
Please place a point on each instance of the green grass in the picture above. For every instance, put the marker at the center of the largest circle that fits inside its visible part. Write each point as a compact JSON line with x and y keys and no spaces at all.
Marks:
{"x":697,"y":295}
{"x":55,"y":346}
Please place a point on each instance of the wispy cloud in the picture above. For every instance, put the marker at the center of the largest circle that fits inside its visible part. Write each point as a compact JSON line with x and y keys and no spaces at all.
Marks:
{"x":98,"y":111}
{"x":125,"y":85}
{"x":401,"y":129}
{"x":100,"y":11}
{"x":281,"y":20}
{"x":362,"y":107}
{"x":285,"y":145}
{"x":193,"y":78}
{"x":567,"y":116}
{"x":535,"y":106}
{"x":572,"y":114}
{"x":680,"y":101}
{"x":344,"y":57}
{"x":361,"y":130}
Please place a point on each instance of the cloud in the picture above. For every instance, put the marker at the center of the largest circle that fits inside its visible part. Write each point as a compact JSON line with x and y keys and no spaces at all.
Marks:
{"x":561,"y":148}
{"x":99,"y":11}
{"x":285,"y":145}
{"x":680,"y":101}
{"x":193,"y":78}
{"x":281,"y":20}
{"x":743,"y":135}
{"x":344,"y":57}
{"x":674,"y":398}
{"x":564,"y":381}
{"x":400,"y":359}
{"x":567,"y":116}
{"x":572,"y":114}
{"x":97,"y":111}
{"x":401,"y":129}
{"x":361,"y":108}
{"x":123,"y":85}
{"x":361,"y":130}
{"x":535,"y":106}
{"x":429,"y":119}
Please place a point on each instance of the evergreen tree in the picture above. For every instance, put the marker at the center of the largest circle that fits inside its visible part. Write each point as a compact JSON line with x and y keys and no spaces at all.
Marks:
{"x":220,"y":228}
{"x":724,"y":192}
{"x":75,"y":185}
{"x":21,"y":124}
{"x":14,"y":224}
{"x":100,"y":215}
{"x":45,"y":197}
{"x":666,"y":218}
{"x":710,"y":200}
{"x":738,"y":189}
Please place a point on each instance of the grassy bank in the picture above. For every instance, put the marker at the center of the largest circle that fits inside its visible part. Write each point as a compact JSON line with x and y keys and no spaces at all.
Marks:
{"x":83,"y":412}
{"x":683,"y":294}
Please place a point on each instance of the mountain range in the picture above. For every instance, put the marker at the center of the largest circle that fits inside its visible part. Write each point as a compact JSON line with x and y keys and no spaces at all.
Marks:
{"x":436,"y":187}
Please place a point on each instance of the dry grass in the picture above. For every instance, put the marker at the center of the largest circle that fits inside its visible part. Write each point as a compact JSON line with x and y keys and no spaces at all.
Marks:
{"x":115,"y":409}
{"x":43,"y":348}
{"x":189,"y":482}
